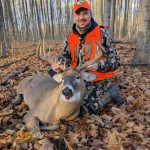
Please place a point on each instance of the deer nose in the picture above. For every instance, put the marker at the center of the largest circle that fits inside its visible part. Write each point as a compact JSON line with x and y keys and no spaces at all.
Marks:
{"x":67,"y":92}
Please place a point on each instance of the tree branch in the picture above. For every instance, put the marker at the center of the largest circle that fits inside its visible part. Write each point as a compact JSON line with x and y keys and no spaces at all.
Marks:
{"x":18,"y":71}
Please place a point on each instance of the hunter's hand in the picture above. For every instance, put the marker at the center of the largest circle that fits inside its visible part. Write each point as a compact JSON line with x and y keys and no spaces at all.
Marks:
{"x":57,"y":67}
{"x":92,"y":67}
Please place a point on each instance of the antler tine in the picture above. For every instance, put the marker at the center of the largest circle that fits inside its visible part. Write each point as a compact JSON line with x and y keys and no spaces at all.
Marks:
{"x":38,"y":49}
{"x":41,"y":56}
{"x":80,"y":61}
{"x":100,"y":47}
{"x":98,"y":55}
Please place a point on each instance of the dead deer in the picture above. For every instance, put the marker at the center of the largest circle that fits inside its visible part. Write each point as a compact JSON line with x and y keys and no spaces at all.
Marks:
{"x":49,"y":101}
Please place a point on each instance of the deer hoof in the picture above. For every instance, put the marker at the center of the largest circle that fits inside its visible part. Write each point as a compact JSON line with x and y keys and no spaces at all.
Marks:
{"x":35,"y":130}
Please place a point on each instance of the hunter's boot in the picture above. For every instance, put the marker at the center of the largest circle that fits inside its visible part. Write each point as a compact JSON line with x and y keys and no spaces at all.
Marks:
{"x":116,"y":97}
{"x":100,"y":103}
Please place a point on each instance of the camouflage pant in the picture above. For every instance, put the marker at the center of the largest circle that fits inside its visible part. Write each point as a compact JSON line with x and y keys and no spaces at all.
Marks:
{"x":98,"y":94}
{"x":97,"y":97}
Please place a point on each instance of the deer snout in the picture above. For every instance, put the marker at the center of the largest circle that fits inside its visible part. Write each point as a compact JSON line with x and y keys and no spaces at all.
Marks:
{"x":67,"y":92}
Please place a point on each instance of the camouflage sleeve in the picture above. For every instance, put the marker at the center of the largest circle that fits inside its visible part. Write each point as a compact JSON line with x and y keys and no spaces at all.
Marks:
{"x":111,"y":61}
{"x":65,"y":57}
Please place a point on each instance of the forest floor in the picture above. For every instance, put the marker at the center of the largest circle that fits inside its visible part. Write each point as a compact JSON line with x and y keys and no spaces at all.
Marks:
{"x":123,"y":128}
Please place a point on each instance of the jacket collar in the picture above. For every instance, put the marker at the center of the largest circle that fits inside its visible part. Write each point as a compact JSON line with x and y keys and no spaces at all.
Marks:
{"x":93,"y":25}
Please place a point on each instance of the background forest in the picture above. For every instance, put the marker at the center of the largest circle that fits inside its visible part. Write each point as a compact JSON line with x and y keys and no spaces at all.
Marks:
{"x":46,"y":19}
{"x":23,"y":23}
{"x":31,"y":20}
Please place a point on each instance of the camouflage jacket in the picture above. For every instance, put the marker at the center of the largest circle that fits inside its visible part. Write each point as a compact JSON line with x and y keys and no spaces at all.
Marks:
{"x":111,"y":62}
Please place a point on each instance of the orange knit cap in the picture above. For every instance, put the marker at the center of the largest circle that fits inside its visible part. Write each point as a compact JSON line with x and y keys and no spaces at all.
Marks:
{"x":81,"y":4}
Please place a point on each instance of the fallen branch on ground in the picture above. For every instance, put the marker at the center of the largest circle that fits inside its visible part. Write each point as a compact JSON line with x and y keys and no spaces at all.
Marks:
{"x":18,"y":71}
{"x":13,"y":103}
{"x":123,"y":42}
{"x":136,"y":65}
{"x":25,"y":58}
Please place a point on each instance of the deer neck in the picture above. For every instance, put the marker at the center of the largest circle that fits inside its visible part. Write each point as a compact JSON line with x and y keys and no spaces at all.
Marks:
{"x":65,"y":108}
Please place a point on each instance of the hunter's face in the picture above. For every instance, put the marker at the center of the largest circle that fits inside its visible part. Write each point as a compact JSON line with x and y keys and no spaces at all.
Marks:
{"x":82,"y":18}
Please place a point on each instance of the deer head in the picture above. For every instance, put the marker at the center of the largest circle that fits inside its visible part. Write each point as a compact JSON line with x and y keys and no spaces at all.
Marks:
{"x":73,"y":78}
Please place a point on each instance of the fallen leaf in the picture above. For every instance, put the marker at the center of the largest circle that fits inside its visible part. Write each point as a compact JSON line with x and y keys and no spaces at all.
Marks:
{"x":6,"y":113}
{"x":37,"y":145}
{"x":130,"y":124}
{"x":147,"y":92}
{"x":6,"y":140}
{"x":84,"y":139}
{"x":106,"y":117}
{"x":113,"y":141}
{"x":68,"y":146}
{"x":115,"y":110}
{"x":23,"y":145}
{"x":46,"y":145}
{"x":130,"y":99}
{"x":96,"y":143}
{"x":38,"y":135}
{"x":138,"y":129}
{"x":147,"y":132}
{"x":1,"y":96}
{"x":21,"y":135}
{"x":74,"y":138}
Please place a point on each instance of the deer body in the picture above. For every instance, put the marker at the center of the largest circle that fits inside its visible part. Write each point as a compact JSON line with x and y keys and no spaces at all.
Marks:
{"x":47,"y":103}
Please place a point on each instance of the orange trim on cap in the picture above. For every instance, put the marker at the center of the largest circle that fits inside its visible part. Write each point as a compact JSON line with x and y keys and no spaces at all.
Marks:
{"x":81,"y":4}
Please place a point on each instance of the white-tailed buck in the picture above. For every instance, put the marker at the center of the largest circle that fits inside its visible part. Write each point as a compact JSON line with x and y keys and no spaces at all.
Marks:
{"x":49,"y":101}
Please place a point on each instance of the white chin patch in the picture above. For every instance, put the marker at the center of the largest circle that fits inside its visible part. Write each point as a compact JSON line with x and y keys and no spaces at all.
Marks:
{"x":76,"y":97}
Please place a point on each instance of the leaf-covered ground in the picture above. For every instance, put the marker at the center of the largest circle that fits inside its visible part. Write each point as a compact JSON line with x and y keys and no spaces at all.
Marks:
{"x":124,"y":128}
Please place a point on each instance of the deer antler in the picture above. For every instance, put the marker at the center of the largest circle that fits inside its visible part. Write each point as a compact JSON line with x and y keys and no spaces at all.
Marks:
{"x":41,"y":56}
{"x":98,"y":55}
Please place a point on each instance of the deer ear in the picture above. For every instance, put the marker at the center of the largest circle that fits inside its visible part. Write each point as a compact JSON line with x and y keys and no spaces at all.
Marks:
{"x":88,"y":76}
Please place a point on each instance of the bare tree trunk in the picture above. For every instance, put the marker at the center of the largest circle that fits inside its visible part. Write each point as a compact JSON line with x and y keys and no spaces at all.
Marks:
{"x":27,"y":20}
{"x":135,"y":19}
{"x":2,"y":41}
{"x":67,"y":16}
{"x":52,"y":18}
{"x":59,"y":17}
{"x":107,"y":12}
{"x":26,"y":33}
{"x":21,"y":20}
{"x":34,"y":33}
{"x":15,"y":20}
{"x":113,"y":16}
{"x":142,"y":54}
{"x":99,"y":11}
{"x":125,"y":20}
{"x":130,"y":18}
{"x":38,"y":20}
{"x":120,"y":18}
{"x":117,"y":23}
{"x":10,"y":18}
{"x":48,"y":19}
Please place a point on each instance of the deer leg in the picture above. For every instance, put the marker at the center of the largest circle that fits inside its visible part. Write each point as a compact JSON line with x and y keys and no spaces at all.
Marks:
{"x":32,"y":123}
{"x":74,"y":115}
{"x":50,"y":127}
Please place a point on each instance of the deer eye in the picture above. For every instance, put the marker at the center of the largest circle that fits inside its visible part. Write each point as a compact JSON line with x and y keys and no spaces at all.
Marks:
{"x":62,"y":78}
{"x":78,"y":77}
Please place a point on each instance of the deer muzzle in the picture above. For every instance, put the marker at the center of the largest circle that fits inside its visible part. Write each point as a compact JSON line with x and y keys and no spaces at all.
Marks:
{"x":67,"y":92}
